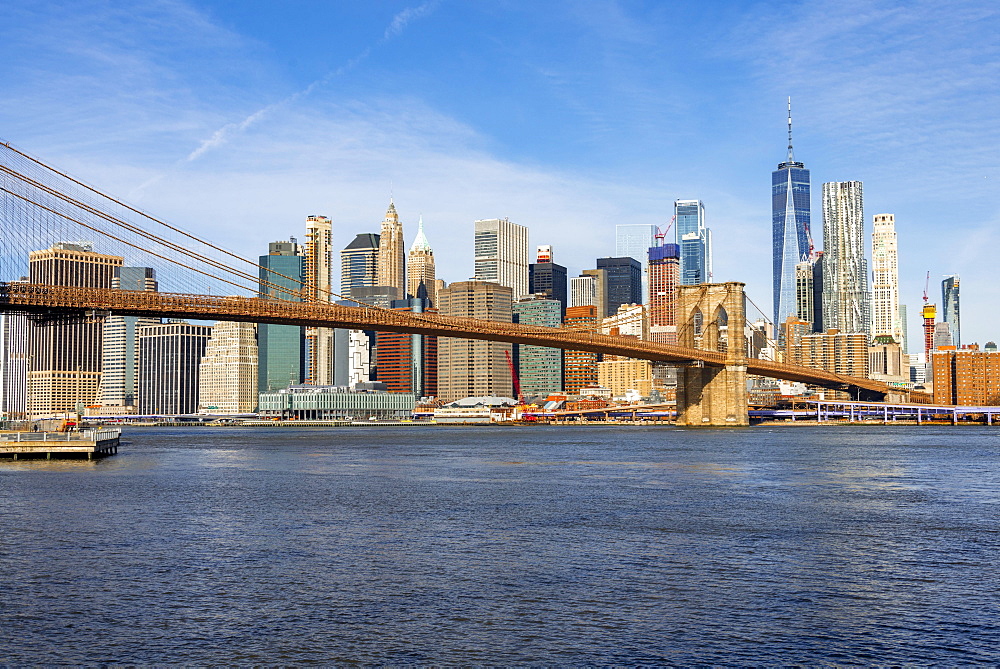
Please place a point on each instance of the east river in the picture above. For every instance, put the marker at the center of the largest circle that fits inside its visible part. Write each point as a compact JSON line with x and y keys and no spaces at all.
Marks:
{"x":534,"y":545}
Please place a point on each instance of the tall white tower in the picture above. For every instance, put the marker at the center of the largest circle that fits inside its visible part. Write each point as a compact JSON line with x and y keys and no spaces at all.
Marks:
{"x":885,"y":279}
{"x":502,"y":254}
{"x":319,"y":341}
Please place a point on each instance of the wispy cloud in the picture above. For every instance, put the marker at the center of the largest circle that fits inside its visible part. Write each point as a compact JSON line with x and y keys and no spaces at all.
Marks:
{"x":403,"y":18}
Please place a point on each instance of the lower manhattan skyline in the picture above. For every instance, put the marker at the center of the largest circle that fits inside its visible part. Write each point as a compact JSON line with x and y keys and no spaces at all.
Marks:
{"x":219,"y":121}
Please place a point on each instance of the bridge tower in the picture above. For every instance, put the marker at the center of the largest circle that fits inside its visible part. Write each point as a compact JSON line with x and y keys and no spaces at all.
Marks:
{"x":712,"y":317}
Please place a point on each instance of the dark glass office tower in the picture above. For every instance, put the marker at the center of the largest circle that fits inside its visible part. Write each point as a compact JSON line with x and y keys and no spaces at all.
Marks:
{"x":548,"y":278}
{"x":281,"y":348}
{"x":950,"y":313}
{"x":791,"y":239}
{"x":624,"y":286}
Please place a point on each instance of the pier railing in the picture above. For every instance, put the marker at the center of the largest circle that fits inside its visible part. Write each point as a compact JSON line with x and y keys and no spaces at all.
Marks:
{"x":101,"y":434}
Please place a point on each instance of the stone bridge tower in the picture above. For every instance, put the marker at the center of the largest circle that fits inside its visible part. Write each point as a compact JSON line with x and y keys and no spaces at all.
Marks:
{"x":712,"y":317}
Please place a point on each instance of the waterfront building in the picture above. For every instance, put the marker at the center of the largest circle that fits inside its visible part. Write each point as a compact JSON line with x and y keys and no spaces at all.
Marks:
{"x":625,"y":376}
{"x":886,"y":361}
{"x":391,"y":254}
{"x":472,"y":368}
{"x":407,"y":363}
{"x":833,"y":351}
{"x":14,"y":328}
{"x":281,"y":351}
{"x":791,"y":240}
{"x":65,"y":356}
{"x":545,"y":277}
{"x":420,"y":269}
{"x":950,"y":312}
{"x":846,"y":300}
{"x":664,"y":277}
{"x":540,"y":368}
{"x":624,"y":282}
{"x":362,"y":401}
{"x":359,"y":263}
{"x":695,"y":240}
{"x":227,"y":374}
{"x":885,"y":279}
{"x":634,"y":240}
{"x":501,"y":249}
{"x":120,"y":347}
{"x":318,"y":288}
{"x":169,"y":357}
{"x":580,"y":367}
{"x":967,"y":377}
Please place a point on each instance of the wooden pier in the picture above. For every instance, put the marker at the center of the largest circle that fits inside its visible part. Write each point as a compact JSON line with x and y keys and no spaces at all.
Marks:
{"x":87,"y":444}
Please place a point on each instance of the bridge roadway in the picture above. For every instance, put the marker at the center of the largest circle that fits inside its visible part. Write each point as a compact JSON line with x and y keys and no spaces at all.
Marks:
{"x":70,"y":300}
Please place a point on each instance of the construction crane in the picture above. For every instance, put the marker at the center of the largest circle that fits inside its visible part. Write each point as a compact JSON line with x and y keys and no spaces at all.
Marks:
{"x":662,"y":234}
{"x":513,"y":377}
{"x":927,"y":285}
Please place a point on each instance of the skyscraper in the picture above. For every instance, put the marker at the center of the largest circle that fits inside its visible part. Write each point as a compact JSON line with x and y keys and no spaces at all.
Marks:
{"x":120,"y":349}
{"x":391,"y":254}
{"x":885,"y":279}
{"x":227,"y":373}
{"x":420,"y":265}
{"x":540,"y":368}
{"x":846,"y":301}
{"x":359,"y":263}
{"x":13,"y":364}
{"x":65,"y":356}
{"x":407,"y":363}
{"x":790,"y":235}
{"x":624,"y":282}
{"x":169,"y":357}
{"x":695,"y":241}
{"x":547,"y":278}
{"x":950,"y":313}
{"x":634,"y":241}
{"x":580,"y":367}
{"x":501,"y":249}
{"x":281,"y":348}
{"x":319,"y":341}
{"x":664,"y":277}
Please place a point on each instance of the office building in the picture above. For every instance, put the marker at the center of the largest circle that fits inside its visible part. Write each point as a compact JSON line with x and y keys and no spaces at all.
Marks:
{"x":590,"y":289}
{"x":545,"y":277}
{"x":886,"y":361}
{"x":120,"y":349}
{"x":472,"y":368}
{"x":391,"y":254}
{"x":626,"y":376}
{"x":967,"y":377}
{"x":169,"y":360}
{"x":501,"y":249}
{"x":664,"y":277}
{"x":281,"y":352}
{"x":903,"y":327}
{"x":791,"y":240}
{"x":317,"y":264}
{"x":420,"y":266}
{"x":634,"y":240}
{"x":846,"y":300}
{"x":65,"y":355}
{"x":540,"y":368}
{"x":359,"y":264}
{"x":885,"y":279}
{"x":227,"y":375}
{"x":624,"y":282}
{"x":942,"y":336}
{"x":363,"y":401}
{"x":630,"y":320}
{"x":580,"y":367}
{"x":14,"y":328}
{"x":834,"y":351}
{"x":695,"y":240}
{"x":950,"y":312}
{"x":407,"y":363}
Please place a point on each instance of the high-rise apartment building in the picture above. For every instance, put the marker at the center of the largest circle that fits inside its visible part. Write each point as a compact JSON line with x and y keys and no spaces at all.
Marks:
{"x":281,"y":350}
{"x":540,"y":368}
{"x":501,"y":249}
{"x":471,"y":368}
{"x":227,"y":375}
{"x":967,"y":377}
{"x":65,"y":357}
{"x":664,"y":277}
{"x":120,"y":355}
{"x":545,"y":277}
{"x":580,"y":367}
{"x":318,"y":288}
{"x":634,"y":241}
{"x":834,"y":351}
{"x":169,"y":358}
{"x":420,"y":266}
{"x":695,"y":240}
{"x":885,"y":279}
{"x":14,"y":328}
{"x":359,"y":263}
{"x":407,"y":363}
{"x":791,"y":241}
{"x":624,"y":282}
{"x":391,"y":254}
{"x":846,"y":300}
{"x":950,"y":313}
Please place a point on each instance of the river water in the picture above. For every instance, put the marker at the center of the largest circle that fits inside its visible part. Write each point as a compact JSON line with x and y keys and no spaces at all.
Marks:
{"x":507,"y":545}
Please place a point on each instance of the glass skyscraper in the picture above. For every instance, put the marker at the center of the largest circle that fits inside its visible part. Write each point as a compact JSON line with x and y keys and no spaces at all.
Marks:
{"x":950,"y":313}
{"x":695,"y":241}
{"x":634,"y":240}
{"x":281,"y":348}
{"x":790,"y":228}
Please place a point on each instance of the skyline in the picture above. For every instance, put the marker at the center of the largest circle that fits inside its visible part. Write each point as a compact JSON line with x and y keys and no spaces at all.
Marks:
{"x":553,"y":118}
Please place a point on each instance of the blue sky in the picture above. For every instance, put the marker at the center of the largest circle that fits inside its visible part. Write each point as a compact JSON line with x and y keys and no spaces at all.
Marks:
{"x":237,"y":119}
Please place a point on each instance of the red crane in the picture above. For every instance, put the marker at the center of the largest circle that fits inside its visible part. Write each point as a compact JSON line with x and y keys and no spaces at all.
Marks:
{"x":513,"y":377}
{"x":927,"y":285}
{"x":661,"y":234}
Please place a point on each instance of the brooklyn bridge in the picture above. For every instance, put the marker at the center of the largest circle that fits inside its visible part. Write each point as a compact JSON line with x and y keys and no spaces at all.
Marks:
{"x":42,"y":206}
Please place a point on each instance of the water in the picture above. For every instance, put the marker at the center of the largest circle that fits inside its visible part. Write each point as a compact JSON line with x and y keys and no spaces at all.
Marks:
{"x":507,"y":545}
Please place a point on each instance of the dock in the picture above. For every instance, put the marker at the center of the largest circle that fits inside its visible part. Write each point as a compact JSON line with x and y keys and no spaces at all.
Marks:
{"x":87,"y":444}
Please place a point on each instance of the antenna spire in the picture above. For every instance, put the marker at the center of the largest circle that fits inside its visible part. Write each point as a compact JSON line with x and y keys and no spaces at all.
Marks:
{"x":791,"y":158}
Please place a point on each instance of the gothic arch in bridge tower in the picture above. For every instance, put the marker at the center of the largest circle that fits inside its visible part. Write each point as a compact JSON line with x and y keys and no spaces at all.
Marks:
{"x":712,"y":395}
